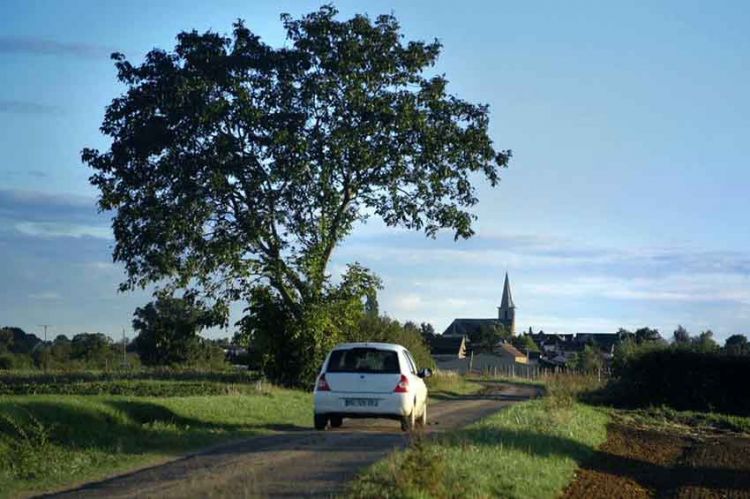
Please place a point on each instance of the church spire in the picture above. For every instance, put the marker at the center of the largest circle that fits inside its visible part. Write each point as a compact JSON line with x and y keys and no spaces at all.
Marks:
{"x":506,"y":312}
{"x":507,"y":301}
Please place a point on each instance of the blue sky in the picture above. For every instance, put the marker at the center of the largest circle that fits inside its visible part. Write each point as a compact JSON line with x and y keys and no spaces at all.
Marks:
{"x":625,"y":203}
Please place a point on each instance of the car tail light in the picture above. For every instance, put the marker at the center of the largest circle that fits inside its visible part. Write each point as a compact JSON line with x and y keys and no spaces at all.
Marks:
{"x":323,"y":384}
{"x":403,"y":385}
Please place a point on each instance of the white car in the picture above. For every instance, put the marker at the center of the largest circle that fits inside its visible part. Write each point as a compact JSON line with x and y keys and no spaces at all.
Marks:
{"x":370,"y":380}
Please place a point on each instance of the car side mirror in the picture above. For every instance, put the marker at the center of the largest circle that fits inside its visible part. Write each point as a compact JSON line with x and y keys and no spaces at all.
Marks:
{"x":425,"y":372}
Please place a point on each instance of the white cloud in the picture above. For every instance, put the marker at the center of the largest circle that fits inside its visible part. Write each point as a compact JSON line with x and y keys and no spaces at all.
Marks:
{"x":672,"y":287}
{"x":406,"y":303}
{"x":56,"y":229}
{"x":104,"y":267}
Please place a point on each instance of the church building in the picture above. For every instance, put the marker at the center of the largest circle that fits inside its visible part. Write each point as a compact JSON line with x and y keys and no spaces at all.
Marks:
{"x":506,"y":317}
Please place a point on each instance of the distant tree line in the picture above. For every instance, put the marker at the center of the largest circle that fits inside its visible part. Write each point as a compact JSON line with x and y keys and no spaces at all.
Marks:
{"x":168,"y":334}
{"x":97,"y":351}
{"x":19,"y":350}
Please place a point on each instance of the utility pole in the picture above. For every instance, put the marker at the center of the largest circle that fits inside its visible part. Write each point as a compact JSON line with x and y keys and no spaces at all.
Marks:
{"x":45,"y":326}
{"x":124,"y":356}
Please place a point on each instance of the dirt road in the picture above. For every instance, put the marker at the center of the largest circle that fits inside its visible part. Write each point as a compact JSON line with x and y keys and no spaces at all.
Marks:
{"x":294,"y":463}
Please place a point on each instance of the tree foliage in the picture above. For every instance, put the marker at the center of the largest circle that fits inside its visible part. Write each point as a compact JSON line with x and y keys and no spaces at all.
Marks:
{"x":16,"y":340}
{"x":737,"y":344}
{"x":292,"y":349}
{"x":427,"y":331}
{"x":705,"y":341}
{"x":91,"y":347}
{"x":589,"y":360}
{"x":629,"y":351}
{"x":681,"y":335}
{"x":168,"y":332}
{"x":646,"y":334}
{"x":525,"y":343}
{"x":387,"y":330}
{"x":488,"y":336}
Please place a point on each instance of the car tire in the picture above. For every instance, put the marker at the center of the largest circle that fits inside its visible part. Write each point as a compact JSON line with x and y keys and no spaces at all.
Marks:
{"x":321,"y":421}
{"x":336,"y":421}
{"x":408,"y":422}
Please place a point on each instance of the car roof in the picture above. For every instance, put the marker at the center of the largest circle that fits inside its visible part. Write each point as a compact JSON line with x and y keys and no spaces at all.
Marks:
{"x":380,"y":346}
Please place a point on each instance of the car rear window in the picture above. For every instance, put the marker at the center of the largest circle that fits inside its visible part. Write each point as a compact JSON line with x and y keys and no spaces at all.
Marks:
{"x":364,"y":360}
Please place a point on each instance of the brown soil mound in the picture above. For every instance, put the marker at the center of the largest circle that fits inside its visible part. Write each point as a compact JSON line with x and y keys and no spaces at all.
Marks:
{"x":637,"y":462}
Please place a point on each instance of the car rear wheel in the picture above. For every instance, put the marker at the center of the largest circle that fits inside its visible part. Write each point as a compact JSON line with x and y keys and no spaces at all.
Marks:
{"x":408,"y":422}
{"x":321,"y":421}
{"x":337,"y":421}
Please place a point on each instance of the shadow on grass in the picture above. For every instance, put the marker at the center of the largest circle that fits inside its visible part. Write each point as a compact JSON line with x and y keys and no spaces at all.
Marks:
{"x":479,"y":396}
{"x":135,"y":427}
{"x":492,"y":391}
{"x":530,"y":442}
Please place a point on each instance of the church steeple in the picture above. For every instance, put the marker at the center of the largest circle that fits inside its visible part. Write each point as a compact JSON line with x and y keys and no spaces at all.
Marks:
{"x":507,"y":301}
{"x":506,"y":312}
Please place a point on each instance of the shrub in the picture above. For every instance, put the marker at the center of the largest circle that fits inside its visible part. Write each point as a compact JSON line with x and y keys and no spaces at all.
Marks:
{"x":629,"y":351}
{"x":28,"y":446}
{"x":291,"y":351}
{"x":10,"y":361}
{"x":563,"y":390}
{"x":387,"y":330}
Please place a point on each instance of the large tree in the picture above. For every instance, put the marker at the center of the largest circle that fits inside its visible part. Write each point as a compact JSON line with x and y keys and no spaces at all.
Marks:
{"x":234,"y":164}
{"x":232,"y":160}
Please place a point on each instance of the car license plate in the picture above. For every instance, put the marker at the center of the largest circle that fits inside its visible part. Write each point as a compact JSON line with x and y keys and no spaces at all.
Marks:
{"x":360,"y":402}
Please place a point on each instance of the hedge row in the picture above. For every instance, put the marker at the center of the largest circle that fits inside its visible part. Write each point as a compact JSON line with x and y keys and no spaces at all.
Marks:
{"x":686,"y":380}
{"x":30,"y":378}
{"x":138,"y":388}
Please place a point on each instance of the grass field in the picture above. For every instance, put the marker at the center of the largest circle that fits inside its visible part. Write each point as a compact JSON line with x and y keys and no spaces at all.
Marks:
{"x":60,"y":429}
{"x":49,"y":440}
{"x":446,"y":385}
{"x":528,"y":450}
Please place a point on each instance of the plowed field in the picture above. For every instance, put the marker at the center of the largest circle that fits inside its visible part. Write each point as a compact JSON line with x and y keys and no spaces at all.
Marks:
{"x":640,"y":462}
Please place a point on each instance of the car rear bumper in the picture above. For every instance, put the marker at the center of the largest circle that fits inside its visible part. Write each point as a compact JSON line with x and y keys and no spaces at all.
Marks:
{"x":389,"y":405}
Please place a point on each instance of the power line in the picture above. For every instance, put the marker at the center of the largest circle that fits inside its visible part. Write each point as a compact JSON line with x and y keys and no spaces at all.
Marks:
{"x":124,"y":344}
